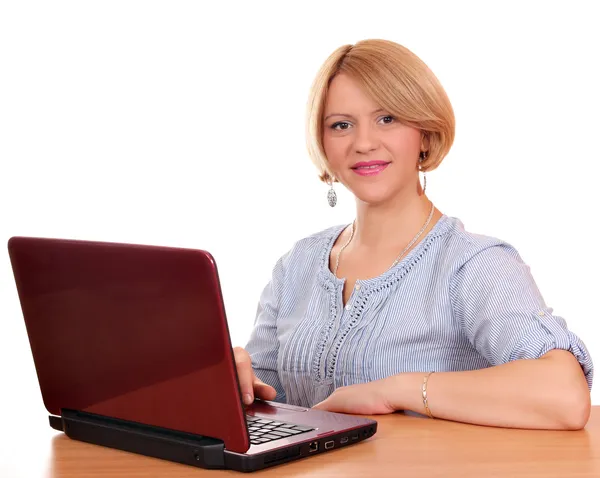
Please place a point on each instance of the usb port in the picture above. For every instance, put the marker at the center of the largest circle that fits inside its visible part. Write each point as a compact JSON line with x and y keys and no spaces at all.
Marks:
{"x":355,"y":437}
{"x":329,"y":445}
{"x":344,"y":440}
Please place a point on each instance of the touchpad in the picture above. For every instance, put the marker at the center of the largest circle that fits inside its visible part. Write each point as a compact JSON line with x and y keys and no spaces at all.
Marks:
{"x":265,"y":407}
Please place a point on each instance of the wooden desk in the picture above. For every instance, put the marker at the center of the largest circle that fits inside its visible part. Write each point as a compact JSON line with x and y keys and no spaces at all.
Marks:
{"x":403,"y":447}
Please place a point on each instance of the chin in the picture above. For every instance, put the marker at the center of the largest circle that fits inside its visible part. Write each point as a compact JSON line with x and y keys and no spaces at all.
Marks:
{"x":375,"y":190}
{"x":373,"y":197}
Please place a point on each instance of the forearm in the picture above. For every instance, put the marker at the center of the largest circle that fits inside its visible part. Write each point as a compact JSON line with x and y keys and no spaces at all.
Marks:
{"x":547,"y":393}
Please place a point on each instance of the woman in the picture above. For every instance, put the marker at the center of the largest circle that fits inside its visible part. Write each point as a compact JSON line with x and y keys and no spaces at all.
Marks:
{"x":404,"y":309}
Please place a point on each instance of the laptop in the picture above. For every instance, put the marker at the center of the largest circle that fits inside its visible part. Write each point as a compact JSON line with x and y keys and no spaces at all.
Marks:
{"x":132,"y":351}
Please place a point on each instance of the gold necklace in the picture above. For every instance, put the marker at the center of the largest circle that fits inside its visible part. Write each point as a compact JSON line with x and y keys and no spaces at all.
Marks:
{"x":337,"y":260}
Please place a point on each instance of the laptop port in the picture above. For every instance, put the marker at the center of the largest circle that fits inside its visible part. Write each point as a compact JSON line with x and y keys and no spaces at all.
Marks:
{"x":329,"y":445}
{"x":314,"y":446}
{"x":282,"y":455}
{"x":355,"y":437}
{"x":343,"y":440}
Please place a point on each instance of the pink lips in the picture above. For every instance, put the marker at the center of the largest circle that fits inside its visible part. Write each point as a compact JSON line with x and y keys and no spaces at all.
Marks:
{"x":370,"y":168}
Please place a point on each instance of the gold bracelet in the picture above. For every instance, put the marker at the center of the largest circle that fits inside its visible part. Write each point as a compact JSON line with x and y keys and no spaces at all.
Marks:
{"x":424,"y":390}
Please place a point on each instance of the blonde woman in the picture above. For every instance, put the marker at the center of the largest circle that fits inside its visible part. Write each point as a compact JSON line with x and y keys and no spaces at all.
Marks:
{"x":404,"y":309}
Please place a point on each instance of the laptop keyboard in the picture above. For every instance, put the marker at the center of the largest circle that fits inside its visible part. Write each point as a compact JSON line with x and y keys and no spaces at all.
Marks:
{"x":262,"y":430}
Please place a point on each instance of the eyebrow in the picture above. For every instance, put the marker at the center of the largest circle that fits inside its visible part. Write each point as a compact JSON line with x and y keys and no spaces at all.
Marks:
{"x":350,"y":116}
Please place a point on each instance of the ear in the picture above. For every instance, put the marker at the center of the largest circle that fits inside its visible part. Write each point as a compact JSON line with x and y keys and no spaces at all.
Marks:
{"x":424,"y":141}
{"x":327,"y":178}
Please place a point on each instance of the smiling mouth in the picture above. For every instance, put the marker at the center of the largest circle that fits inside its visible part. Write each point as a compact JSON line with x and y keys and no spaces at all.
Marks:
{"x":370,"y":168}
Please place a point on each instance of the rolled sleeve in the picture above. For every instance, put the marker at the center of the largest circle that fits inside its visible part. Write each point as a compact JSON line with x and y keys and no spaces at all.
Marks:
{"x":263,"y":345}
{"x":498,"y":305}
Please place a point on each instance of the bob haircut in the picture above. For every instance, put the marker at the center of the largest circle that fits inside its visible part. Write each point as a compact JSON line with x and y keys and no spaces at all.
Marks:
{"x":398,"y":81}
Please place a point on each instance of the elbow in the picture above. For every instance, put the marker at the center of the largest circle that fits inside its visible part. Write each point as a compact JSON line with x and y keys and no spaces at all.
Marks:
{"x":572,"y":412}
{"x":572,"y":402}
{"x":578,"y":412}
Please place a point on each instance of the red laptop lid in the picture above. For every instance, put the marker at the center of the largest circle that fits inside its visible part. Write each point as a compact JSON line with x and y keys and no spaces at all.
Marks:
{"x":131,"y":332}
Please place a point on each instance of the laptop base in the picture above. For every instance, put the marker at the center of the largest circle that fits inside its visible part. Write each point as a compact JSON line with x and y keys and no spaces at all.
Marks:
{"x":185,"y":448}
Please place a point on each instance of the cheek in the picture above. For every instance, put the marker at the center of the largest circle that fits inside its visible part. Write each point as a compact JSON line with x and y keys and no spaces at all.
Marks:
{"x":411,"y":140}
{"x":334,"y":149}
{"x":405,"y":144}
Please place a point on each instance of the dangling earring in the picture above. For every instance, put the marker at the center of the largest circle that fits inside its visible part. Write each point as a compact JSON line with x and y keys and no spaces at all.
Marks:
{"x":331,"y":195}
{"x":423,"y":157}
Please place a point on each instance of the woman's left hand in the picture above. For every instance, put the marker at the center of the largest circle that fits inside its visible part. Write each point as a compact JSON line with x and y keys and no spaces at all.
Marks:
{"x":361,"y":399}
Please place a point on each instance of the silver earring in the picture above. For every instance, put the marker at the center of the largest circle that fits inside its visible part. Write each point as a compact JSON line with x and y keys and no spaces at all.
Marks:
{"x":422,"y":158}
{"x":331,"y":195}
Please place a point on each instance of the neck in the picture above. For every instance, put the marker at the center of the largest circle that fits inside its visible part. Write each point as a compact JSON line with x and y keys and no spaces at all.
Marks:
{"x":387,"y":225}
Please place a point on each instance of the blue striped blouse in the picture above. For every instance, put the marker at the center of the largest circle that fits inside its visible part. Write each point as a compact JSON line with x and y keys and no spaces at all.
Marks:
{"x":457,"y":301}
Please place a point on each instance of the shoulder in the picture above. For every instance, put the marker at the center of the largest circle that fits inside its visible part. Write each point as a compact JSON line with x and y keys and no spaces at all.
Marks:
{"x":483,"y":262}
{"x":312,"y":249}
{"x":319,"y":238}
{"x":466,"y":247}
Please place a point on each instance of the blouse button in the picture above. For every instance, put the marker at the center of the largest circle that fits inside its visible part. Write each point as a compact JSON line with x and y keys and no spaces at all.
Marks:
{"x":357,"y":287}
{"x":348,"y":307}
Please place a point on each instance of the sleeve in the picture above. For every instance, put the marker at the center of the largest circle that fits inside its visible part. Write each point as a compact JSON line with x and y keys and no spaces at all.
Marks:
{"x":263,"y":345}
{"x":496,"y":301}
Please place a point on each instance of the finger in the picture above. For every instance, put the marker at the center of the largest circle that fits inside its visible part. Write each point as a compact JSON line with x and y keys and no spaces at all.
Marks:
{"x":243,"y":364}
{"x":263,"y":390}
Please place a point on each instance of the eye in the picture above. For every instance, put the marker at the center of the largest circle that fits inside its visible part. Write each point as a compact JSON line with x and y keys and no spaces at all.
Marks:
{"x":387,"y":119}
{"x":340,"y":125}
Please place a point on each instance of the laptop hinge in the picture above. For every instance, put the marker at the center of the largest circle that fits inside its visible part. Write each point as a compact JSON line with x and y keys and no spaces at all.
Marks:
{"x":180,"y":447}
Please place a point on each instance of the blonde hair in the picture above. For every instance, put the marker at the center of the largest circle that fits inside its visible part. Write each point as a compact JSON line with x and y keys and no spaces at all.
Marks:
{"x":396,"y":79}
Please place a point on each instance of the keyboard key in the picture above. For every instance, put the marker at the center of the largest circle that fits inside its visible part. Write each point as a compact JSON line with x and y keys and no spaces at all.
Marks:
{"x":281,"y":429}
{"x":262,"y":430}
{"x":303,"y":429}
{"x":293,"y":431}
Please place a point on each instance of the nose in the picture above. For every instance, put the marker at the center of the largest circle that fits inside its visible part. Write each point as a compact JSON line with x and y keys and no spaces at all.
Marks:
{"x":365,"y":139}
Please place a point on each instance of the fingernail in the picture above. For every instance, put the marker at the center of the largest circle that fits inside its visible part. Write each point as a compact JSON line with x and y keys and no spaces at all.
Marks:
{"x":247,"y":398}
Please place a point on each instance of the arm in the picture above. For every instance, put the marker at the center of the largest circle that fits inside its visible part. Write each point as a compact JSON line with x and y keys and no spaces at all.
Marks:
{"x":259,"y":359}
{"x":537,"y":377}
{"x":540,"y":373}
{"x":546,"y":393}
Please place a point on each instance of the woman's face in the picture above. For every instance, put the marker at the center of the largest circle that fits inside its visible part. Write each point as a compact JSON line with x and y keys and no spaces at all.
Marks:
{"x":368,"y":150}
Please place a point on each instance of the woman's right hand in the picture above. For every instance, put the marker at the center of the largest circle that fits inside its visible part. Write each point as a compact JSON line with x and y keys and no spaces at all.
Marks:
{"x":251,"y":386}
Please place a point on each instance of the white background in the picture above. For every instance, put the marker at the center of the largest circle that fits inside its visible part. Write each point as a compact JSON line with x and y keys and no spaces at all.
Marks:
{"x":182,"y":123}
